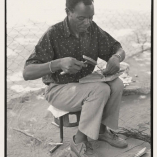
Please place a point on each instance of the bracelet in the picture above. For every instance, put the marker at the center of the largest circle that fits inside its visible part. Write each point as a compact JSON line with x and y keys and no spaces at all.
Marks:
{"x":119,"y":56}
{"x":50,"y":67}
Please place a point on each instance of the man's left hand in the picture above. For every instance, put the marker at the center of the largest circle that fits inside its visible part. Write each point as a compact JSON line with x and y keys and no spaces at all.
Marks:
{"x":112,"y":67}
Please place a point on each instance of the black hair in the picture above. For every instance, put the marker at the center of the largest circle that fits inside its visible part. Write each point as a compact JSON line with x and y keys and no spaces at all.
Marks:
{"x":70,"y":4}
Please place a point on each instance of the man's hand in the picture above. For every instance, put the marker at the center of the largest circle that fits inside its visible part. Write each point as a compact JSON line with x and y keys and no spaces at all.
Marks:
{"x":71,"y":65}
{"x":113,"y":66}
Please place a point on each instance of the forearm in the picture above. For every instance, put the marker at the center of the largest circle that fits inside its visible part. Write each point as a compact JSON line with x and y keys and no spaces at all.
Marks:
{"x":120,"y":54}
{"x":36,"y":71}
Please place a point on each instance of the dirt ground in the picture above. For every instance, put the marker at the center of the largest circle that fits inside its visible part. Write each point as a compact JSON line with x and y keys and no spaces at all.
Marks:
{"x":30,"y":130}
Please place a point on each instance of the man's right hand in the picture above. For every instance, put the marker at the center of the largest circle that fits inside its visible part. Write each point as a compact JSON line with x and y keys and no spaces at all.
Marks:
{"x":71,"y":65}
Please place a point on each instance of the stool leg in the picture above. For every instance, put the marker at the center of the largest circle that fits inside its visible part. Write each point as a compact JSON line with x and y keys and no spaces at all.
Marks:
{"x":61,"y":134}
{"x":61,"y":129}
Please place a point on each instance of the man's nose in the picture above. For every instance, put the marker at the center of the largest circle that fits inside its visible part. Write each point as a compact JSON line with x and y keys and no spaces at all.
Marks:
{"x":87,"y":22}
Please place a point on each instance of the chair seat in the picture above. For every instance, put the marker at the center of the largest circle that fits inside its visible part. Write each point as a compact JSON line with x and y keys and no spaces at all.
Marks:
{"x":70,"y":119}
{"x":56,"y":112}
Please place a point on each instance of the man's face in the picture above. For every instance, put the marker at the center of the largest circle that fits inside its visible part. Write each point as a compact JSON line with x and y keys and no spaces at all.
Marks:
{"x":81,"y":17}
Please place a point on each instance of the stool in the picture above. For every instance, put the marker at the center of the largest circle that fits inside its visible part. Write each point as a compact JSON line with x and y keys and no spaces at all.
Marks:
{"x":65,"y":121}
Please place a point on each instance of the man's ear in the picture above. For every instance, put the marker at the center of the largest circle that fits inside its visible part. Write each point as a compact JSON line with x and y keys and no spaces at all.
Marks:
{"x":68,"y":11}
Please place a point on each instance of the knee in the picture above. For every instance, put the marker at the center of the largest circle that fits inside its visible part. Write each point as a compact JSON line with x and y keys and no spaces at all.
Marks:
{"x":118,"y":85}
{"x":103,"y":89}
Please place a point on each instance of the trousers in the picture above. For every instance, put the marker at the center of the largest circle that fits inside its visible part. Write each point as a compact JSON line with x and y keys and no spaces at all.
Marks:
{"x":99,"y":103}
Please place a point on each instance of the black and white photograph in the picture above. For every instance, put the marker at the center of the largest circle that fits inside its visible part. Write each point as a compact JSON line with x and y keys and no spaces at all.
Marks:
{"x":78,"y":78}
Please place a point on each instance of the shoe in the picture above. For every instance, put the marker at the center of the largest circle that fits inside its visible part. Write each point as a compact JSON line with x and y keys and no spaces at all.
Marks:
{"x":113,"y":139}
{"x":95,"y":144}
{"x":83,"y":149}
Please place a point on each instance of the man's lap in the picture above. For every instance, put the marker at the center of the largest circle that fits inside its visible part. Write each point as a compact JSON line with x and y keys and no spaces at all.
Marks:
{"x":70,"y":97}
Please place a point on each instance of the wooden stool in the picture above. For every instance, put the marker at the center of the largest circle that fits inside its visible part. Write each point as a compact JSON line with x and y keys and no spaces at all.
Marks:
{"x":65,"y":121}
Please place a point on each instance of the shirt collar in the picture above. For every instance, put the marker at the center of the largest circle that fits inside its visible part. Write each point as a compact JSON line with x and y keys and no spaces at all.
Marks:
{"x":67,"y":31}
{"x":66,"y":27}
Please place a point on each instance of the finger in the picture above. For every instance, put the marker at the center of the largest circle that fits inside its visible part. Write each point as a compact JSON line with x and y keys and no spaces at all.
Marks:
{"x":76,"y":67}
{"x":71,"y":69}
{"x":69,"y":72}
{"x":115,"y":69}
{"x":112,"y":71}
{"x":79,"y":63}
{"x":108,"y":71}
{"x":121,"y":70}
{"x":86,"y":63}
{"x":105,"y":71}
{"x":65,"y":71}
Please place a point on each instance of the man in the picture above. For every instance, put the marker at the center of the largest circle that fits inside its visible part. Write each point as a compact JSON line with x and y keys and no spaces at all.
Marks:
{"x":61,"y":49}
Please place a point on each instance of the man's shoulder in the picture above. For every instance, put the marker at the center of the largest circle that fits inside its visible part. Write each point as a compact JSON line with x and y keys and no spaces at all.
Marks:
{"x":57,"y":25}
{"x":100,"y":30}
{"x":56,"y":28}
{"x":95,"y":27}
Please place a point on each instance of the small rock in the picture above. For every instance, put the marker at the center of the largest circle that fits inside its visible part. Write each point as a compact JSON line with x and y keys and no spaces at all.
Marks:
{"x":142,"y":97}
{"x":24,"y":99}
{"x":33,"y":119}
{"x":136,"y":75}
{"x":148,"y":123}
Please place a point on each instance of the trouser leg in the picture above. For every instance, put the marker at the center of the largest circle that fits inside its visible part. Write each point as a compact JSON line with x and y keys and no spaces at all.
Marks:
{"x":91,"y":97}
{"x":111,"y":110}
{"x":92,"y":111}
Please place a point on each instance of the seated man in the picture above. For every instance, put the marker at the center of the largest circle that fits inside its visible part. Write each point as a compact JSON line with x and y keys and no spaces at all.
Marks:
{"x":61,"y":49}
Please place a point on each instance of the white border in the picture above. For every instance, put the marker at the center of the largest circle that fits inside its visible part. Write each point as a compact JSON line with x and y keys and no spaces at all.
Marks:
{"x":2,"y":52}
{"x":155,"y":85}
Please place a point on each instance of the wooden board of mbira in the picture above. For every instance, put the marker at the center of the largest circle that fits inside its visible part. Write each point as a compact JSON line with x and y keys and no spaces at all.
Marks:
{"x":95,"y":77}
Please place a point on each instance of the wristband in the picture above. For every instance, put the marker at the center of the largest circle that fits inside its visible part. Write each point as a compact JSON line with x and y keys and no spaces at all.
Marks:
{"x":50,"y":67}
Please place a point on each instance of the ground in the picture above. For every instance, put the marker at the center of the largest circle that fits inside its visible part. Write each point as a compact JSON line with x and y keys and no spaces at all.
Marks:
{"x":29,"y":128}
{"x":34,"y":119}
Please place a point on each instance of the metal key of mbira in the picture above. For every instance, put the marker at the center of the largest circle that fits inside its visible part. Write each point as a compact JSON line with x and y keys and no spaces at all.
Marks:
{"x":141,"y":152}
{"x":93,"y":62}
{"x":88,"y":61}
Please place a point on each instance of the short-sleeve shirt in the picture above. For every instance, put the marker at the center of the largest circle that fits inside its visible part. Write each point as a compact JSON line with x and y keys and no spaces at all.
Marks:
{"x":59,"y":42}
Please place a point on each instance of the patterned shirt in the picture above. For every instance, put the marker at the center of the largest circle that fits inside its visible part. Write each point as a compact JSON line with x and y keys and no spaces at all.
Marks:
{"x":59,"y":42}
